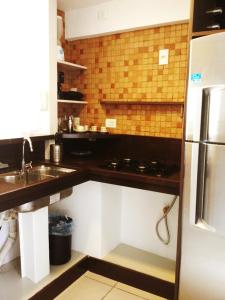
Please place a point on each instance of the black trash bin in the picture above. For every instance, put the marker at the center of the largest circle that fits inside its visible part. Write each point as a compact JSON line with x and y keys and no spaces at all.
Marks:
{"x":60,"y":235}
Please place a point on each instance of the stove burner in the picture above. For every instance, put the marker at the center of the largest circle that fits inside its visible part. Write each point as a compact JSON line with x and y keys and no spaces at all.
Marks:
{"x":113,"y":165}
{"x":142,"y":168}
{"x":127,"y":160}
{"x":128,"y":164}
{"x":147,"y":168}
{"x":155,"y":168}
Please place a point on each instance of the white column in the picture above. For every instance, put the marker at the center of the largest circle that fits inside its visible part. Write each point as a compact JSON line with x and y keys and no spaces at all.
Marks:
{"x":34,"y":244}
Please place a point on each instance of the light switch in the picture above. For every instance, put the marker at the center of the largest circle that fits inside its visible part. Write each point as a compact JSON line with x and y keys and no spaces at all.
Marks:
{"x":163,"y":57}
{"x":110,"y":123}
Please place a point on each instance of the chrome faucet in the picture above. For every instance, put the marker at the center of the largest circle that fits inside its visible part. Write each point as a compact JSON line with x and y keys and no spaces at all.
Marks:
{"x":24,"y":166}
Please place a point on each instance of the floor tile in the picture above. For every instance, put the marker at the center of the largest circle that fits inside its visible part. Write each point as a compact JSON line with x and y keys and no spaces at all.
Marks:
{"x":85,"y":289}
{"x":117,"y":294}
{"x":137,"y":292}
{"x":100,"y":278}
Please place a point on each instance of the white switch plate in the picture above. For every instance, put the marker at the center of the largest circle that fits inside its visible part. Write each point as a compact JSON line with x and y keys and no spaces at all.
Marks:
{"x":163,"y":57}
{"x":110,"y":123}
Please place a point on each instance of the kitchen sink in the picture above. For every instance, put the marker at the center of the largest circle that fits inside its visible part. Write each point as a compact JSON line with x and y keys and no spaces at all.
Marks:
{"x":34,"y":175}
{"x":51,"y":171}
{"x":18,"y":178}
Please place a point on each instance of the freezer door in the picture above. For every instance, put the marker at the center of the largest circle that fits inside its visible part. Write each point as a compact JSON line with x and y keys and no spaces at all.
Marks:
{"x":207,"y":189}
{"x":207,"y":63}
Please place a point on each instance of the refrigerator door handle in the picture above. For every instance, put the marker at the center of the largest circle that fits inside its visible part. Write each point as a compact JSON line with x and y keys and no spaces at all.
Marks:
{"x":194,"y":183}
{"x":204,"y":127}
{"x":200,"y":194}
{"x":197,"y":183}
{"x":199,"y":205}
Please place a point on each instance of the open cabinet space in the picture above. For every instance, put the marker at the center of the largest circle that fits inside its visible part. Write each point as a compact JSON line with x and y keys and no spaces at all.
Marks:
{"x":113,"y":226}
{"x":117,"y":224}
{"x":143,"y":261}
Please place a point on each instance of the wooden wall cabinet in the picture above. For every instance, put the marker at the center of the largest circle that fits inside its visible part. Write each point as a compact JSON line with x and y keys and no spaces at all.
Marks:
{"x":208,"y":17}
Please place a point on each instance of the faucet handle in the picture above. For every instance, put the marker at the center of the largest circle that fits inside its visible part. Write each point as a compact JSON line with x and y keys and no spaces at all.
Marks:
{"x":3,"y":165}
{"x":28,"y":165}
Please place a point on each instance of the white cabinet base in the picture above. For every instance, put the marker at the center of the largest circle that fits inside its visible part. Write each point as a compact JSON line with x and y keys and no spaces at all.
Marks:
{"x":34,"y":245}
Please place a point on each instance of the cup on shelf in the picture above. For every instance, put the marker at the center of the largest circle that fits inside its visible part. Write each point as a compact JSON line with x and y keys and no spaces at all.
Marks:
{"x":103,"y":129}
{"x":80,"y":128}
{"x":73,"y":89}
{"x":76,"y":122}
{"x":86,"y":127}
{"x":93,"y":128}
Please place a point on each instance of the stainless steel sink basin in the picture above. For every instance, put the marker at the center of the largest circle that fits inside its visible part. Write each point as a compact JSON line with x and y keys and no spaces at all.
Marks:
{"x":51,"y":171}
{"x":29,"y":178}
{"x":34,"y":175}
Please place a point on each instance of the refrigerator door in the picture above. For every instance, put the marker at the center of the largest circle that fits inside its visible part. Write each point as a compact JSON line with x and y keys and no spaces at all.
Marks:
{"x":193,"y":115}
{"x":207,"y":63}
{"x":203,"y":252}
{"x":206,"y":71}
{"x":207,"y":192}
{"x":215,"y":127}
{"x":213,"y":206}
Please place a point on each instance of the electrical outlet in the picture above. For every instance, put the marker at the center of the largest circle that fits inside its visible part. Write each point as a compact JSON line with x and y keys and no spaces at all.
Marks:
{"x":163,"y":57}
{"x":110,"y":123}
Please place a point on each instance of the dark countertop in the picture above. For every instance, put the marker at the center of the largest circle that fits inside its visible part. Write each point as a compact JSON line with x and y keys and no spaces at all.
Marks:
{"x":168,"y":185}
{"x":12,"y":195}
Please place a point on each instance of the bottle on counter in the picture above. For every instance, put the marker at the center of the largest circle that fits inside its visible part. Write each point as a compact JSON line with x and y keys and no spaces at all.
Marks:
{"x":70,"y":124}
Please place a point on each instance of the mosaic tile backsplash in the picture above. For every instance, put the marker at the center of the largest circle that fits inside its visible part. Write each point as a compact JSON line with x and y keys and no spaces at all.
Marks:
{"x":124,"y":67}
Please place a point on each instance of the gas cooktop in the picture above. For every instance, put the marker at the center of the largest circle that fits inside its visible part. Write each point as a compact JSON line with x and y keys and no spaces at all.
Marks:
{"x":151,"y":168}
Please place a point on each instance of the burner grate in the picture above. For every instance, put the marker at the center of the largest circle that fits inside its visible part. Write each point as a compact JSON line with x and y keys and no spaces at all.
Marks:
{"x":150,"y":168}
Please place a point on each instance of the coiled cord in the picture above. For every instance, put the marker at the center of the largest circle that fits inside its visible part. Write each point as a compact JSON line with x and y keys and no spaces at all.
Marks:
{"x":166,"y":211}
{"x":9,"y":217}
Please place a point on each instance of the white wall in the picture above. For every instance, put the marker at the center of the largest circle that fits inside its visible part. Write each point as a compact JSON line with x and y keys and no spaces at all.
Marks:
{"x":95,"y":209}
{"x":123,"y":15}
{"x":110,"y":217}
{"x":83,"y":206}
{"x":140,"y":212}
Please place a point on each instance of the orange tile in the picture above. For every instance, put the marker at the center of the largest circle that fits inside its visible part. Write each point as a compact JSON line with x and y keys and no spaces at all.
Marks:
{"x":125,"y":67}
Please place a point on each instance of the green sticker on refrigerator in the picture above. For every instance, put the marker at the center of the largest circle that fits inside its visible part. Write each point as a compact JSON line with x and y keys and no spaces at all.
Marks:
{"x":196,"y":77}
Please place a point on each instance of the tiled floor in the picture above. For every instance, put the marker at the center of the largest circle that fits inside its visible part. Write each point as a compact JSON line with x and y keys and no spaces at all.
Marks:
{"x":95,"y":287}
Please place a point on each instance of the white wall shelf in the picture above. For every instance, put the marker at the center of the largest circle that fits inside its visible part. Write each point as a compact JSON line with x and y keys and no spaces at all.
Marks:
{"x":72,"y":101}
{"x":70,"y":66}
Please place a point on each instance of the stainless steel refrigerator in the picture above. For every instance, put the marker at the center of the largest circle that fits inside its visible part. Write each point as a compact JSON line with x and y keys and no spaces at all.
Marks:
{"x":203,"y":227}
